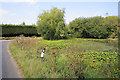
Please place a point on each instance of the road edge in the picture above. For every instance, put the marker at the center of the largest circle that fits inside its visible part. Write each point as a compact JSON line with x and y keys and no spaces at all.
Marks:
{"x":19,"y":71}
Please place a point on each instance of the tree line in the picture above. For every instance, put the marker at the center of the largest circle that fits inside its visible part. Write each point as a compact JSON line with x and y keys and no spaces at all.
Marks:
{"x":95,"y":27}
{"x":51,"y":26}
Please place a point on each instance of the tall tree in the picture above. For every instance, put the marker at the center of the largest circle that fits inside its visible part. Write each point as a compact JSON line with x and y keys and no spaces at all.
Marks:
{"x":51,"y":24}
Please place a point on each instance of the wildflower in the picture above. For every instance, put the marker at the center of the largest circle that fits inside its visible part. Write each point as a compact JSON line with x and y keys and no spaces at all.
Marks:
{"x":53,"y":53}
{"x":67,"y":66}
{"x":68,"y":62}
{"x":107,"y":58}
{"x":76,"y":62}
{"x":71,"y":68}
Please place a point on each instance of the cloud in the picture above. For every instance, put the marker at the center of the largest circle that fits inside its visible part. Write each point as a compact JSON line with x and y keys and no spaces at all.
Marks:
{"x":6,"y":12}
{"x":3,"y":12}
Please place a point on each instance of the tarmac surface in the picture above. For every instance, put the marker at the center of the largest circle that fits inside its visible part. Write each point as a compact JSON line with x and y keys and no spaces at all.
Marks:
{"x":8,"y":67}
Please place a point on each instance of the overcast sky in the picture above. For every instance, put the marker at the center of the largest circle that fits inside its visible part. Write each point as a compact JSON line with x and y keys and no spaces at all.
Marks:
{"x":17,"y":11}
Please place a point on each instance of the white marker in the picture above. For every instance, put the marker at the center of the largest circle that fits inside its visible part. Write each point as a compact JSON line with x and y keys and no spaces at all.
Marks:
{"x":42,"y":54}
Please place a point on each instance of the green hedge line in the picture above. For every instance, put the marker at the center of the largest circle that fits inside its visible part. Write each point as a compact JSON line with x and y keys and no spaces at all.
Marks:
{"x":16,"y":30}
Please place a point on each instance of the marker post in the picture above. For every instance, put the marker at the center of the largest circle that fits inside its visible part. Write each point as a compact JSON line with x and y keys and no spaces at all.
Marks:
{"x":42,"y":54}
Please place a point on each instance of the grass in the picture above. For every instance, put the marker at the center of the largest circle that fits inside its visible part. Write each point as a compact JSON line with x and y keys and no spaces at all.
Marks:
{"x":73,"y":58}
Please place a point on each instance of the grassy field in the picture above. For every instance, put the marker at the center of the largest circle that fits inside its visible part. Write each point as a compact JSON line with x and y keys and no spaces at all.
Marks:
{"x":73,"y":58}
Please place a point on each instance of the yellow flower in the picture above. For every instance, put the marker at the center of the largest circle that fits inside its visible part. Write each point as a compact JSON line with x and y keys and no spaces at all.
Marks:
{"x":107,"y":58}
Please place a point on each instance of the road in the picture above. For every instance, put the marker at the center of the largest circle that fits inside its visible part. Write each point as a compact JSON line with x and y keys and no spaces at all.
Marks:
{"x":9,"y":68}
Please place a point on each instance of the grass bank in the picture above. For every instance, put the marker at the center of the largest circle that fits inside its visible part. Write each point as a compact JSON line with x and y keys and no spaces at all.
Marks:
{"x":73,"y":58}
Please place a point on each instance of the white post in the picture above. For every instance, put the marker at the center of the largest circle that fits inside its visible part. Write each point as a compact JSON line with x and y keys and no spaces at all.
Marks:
{"x":42,"y":54}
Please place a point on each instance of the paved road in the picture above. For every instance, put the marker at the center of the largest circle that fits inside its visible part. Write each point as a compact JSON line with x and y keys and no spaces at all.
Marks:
{"x":9,"y":68}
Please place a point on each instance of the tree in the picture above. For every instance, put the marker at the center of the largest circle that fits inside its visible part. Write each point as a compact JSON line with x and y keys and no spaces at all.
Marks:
{"x":111,"y":23}
{"x":77,"y":27}
{"x":51,"y":23}
{"x":23,"y":23}
{"x":94,"y":27}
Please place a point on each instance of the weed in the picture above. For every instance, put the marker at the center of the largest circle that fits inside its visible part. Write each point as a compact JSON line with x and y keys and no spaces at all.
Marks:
{"x":73,"y":58}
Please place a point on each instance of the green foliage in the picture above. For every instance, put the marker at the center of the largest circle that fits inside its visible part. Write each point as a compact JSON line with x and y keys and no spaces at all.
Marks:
{"x":94,"y":27}
{"x":23,"y":23}
{"x":16,"y":30}
{"x":73,"y":58}
{"x":51,"y":24}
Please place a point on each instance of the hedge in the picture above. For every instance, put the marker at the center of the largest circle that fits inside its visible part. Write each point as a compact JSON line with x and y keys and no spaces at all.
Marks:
{"x":16,"y":30}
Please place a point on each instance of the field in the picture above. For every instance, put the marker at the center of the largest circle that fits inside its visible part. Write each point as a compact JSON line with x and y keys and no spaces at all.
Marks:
{"x":73,"y":58}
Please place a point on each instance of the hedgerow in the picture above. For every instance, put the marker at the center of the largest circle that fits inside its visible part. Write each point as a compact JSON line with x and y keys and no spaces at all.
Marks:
{"x":16,"y":30}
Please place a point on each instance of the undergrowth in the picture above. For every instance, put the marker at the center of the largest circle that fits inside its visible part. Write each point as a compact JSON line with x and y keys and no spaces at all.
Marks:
{"x":73,"y":58}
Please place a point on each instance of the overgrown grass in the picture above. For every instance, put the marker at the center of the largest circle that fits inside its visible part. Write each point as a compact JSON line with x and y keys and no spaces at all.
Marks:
{"x":73,"y":58}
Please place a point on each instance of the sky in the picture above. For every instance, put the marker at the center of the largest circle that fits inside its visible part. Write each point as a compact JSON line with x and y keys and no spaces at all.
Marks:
{"x":18,"y":11}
